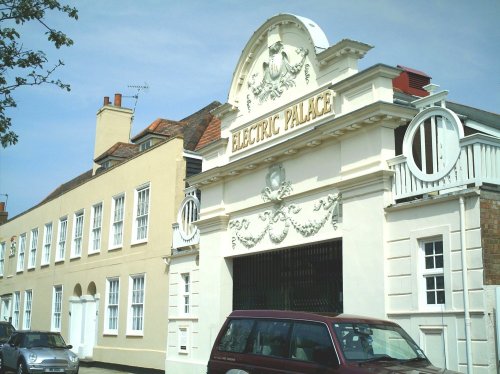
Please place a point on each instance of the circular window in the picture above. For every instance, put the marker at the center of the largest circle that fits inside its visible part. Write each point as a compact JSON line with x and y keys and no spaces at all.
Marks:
{"x":432,"y":143}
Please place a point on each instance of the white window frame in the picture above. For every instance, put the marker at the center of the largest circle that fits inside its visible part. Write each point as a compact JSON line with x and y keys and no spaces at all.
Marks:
{"x":3,"y":245}
{"x":185,"y":294}
{"x":21,"y":253}
{"x":47,"y":244}
{"x":112,"y":305}
{"x":16,"y":309}
{"x":417,"y":238}
{"x":95,"y":241}
{"x":57,"y":295}
{"x":62,"y":239}
{"x":117,"y":221}
{"x":33,"y":249}
{"x":183,"y":339}
{"x":145,"y":145}
{"x":142,"y":198}
{"x":136,"y":303}
{"x":77,"y":242}
{"x":28,"y":303}
{"x":431,"y":273}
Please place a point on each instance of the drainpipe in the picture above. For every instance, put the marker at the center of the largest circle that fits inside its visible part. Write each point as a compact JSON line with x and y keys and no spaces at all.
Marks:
{"x":468,"y":343}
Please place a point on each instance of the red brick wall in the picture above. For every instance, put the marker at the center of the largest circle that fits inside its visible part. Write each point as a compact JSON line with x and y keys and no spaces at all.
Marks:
{"x":490,"y":230}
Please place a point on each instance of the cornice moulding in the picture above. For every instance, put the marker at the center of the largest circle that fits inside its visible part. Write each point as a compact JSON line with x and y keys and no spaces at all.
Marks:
{"x":323,"y":132}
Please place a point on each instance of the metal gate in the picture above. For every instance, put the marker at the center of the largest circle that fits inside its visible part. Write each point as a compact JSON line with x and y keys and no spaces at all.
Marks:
{"x":307,"y":278}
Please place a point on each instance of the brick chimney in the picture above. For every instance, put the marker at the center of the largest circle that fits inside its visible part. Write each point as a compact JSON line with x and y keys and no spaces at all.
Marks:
{"x":411,"y":82}
{"x":3,"y":214}
{"x":113,"y":125}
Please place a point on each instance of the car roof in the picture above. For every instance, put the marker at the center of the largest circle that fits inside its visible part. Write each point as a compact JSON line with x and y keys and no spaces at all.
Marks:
{"x":308,"y":316}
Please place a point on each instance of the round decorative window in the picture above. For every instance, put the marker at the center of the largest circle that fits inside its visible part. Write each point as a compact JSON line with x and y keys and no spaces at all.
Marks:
{"x":432,"y":143}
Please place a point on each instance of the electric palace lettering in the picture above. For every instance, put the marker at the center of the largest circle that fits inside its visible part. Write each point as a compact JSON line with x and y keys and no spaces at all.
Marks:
{"x":293,"y":116}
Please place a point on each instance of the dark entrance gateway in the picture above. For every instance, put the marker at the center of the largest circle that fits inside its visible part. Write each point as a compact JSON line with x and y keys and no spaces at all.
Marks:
{"x":305,"y":278}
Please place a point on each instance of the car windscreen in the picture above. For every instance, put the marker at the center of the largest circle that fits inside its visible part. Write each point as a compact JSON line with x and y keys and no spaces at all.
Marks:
{"x":371,"y":342}
{"x":43,"y":340}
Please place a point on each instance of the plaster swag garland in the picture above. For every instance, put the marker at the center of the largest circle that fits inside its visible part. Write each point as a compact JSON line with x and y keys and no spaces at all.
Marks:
{"x":279,"y":220}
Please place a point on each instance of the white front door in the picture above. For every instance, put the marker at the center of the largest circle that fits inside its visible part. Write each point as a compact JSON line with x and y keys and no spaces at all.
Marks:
{"x":83,"y":325}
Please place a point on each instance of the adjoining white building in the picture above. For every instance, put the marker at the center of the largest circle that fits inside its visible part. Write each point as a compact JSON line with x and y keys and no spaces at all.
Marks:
{"x":334,"y":189}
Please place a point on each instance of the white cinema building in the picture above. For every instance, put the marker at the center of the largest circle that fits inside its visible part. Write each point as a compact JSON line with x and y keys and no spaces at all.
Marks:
{"x":335,"y":189}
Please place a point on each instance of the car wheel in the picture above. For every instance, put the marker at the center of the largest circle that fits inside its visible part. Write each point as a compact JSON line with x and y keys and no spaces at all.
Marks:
{"x":21,"y":368}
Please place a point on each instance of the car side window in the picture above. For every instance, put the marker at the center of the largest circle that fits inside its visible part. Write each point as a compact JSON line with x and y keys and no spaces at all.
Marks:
{"x":236,"y":335}
{"x":270,"y":338}
{"x":16,"y":340}
{"x":312,"y":342}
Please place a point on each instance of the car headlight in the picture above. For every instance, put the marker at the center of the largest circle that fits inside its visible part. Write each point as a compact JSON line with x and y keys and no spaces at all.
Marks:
{"x":73,"y":359}
{"x":32,"y":357}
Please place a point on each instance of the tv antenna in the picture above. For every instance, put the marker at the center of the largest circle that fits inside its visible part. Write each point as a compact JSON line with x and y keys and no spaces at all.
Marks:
{"x":138,"y":89}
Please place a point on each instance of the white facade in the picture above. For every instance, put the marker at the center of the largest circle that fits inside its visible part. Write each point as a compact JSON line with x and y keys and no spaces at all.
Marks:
{"x":307,"y":157}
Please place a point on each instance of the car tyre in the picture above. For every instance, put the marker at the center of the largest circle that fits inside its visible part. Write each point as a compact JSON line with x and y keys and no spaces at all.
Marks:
{"x":21,"y":368}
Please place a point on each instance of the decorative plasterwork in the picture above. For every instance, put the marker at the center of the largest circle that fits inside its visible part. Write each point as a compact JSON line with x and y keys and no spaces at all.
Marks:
{"x":278,"y":73}
{"x":276,"y":222}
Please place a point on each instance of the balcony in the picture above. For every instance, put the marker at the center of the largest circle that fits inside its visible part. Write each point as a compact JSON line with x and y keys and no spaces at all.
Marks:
{"x":478,"y":163}
{"x":186,"y":234}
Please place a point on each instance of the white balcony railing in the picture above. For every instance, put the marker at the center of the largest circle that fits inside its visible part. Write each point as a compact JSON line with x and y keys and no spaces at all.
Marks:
{"x":185,"y":233}
{"x":478,"y":163}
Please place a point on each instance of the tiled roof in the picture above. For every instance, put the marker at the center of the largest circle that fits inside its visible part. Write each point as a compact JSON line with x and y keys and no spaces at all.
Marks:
{"x":119,"y":150}
{"x":211,"y":134}
{"x":196,"y":124}
{"x":82,"y":178}
{"x":192,"y":127}
{"x":161,"y":126}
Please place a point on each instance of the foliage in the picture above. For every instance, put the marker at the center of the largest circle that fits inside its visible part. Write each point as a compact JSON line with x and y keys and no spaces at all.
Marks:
{"x":21,"y":66}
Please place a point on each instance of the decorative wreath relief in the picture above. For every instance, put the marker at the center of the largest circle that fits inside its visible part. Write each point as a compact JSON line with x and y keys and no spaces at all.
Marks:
{"x":277,"y":221}
{"x":279,"y":74}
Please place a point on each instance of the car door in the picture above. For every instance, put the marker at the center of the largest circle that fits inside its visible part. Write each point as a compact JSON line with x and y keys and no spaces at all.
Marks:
{"x":10,"y":350}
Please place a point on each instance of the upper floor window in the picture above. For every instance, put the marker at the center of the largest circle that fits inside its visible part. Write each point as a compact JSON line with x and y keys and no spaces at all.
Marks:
{"x":47,"y":244}
{"x":117,"y":215}
{"x":112,"y":300}
{"x":185,"y":293}
{"x":28,"y":299}
{"x":16,"y":309}
{"x":20,"y":253}
{"x":146,"y":145}
{"x":2,"y":257}
{"x":141,"y":214}
{"x":432,"y":272}
{"x":76,"y":249}
{"x":33,"y":247}
{"x":56,"y":308}
{"x":61,"y":245}
{"x":95,"y":235}
{"x":136,"y":305}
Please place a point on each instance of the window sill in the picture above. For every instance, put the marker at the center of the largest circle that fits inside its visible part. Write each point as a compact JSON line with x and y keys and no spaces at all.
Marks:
{"x":94,"y":253}
{"x":110,"y":249}
{"x":133,"y":334}
{"x":110,"y":333}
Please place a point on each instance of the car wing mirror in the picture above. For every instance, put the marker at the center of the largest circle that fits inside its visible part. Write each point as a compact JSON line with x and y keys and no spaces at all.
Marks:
{"x":69,"y":346}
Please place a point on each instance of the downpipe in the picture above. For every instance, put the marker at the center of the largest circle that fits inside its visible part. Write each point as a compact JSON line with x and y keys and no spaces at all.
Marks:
{"x":468,"y":341}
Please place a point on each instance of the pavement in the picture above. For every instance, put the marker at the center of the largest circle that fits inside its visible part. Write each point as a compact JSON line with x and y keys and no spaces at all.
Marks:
{"x":98,"y":370}
{"x":86,"y":368}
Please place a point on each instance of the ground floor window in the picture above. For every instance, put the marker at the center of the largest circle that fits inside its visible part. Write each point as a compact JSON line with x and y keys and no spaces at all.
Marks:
{"x":307,"y":278}
{"x":433,"y":272}
{"x":56,"y":308}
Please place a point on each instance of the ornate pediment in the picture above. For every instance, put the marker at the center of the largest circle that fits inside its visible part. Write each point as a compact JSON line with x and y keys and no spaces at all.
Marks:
{"x":279,"y":59}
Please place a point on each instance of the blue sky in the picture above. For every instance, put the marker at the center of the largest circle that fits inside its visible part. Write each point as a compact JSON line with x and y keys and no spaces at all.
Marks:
{"x":186,"y":52}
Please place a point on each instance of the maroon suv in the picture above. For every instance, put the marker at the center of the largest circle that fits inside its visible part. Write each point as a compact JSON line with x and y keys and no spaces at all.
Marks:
{"x":264,"y":341}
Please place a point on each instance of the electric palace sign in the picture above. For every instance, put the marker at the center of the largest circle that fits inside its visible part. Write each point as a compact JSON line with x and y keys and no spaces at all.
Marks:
{"x":280,"y":123}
